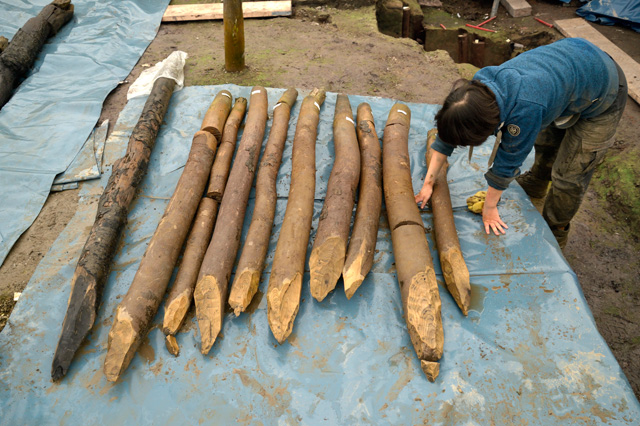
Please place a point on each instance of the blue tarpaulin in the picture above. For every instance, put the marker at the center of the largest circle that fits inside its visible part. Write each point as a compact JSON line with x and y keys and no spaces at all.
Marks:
{"x":52,"y":112}
{"x":610,"y":12}
{"x":528,"y":353}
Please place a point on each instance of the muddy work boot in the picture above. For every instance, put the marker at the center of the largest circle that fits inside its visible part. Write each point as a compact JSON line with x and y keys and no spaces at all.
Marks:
{"x":562,"y":236}
{"x":533,"y":185}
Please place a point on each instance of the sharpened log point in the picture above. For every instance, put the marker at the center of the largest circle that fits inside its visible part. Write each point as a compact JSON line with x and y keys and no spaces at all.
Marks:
{"x":172,"y":345}
{"x":431,"y":369}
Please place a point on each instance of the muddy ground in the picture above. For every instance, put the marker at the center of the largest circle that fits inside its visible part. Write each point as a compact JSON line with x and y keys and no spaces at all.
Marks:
{"x":343,"y":51}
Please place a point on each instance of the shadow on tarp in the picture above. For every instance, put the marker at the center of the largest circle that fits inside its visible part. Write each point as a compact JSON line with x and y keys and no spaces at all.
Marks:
{"x":52,"y":112}
{"x":529,"y":351}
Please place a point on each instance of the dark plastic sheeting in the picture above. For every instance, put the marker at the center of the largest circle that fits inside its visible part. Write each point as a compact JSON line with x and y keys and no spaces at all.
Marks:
{"x":528,"y":353}
{"x":611,"y":12}
{"x":53,"y":111}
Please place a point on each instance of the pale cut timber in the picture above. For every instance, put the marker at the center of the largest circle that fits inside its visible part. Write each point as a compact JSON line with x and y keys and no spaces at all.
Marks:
{"x":578,"y":27}
{"x":517,"y":8}
{"x":213,"y":11}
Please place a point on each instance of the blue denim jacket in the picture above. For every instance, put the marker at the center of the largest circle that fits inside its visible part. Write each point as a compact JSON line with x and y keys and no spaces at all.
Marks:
{"x":570,"y":76}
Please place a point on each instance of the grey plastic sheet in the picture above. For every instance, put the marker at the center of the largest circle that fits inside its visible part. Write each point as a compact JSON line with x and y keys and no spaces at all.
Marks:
{"x":53,"y":111}
{"x":528,"y":353}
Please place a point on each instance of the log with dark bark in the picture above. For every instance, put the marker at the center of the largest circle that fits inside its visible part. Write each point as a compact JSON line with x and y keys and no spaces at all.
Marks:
{"x":211,"y":289}
{"x":287,"y":270}
{"x":220,"y":170}
{"x":454,"y":268}
{"x":254,"y":251}
{"x":18,"y":57}
{"x":138,"y":307}
{"x":95,"y":259}
{"x":414,"y":265}
{"x":233,"y":20}
{"x":330,"y":245}
{"x":362,"y":245}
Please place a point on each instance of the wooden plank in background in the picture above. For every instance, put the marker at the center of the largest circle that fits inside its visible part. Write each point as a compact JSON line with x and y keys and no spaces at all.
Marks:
{"x":578,"y":27}
{"x":213,"y":11}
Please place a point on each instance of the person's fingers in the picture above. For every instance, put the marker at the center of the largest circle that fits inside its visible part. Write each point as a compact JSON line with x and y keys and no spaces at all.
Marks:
{"x":486,"y":228}
{"x":503,"y":224}
{"x":423,"y":204}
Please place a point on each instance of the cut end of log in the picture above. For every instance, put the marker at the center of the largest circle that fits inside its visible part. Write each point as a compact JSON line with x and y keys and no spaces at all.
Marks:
{"x":325,"y":265}
{"x":319,"y":94}
{"x":352,"y":273}
{"x":175,"y":312}
{"x":209,"y":311}
{"x":122,"y":346}
{"x":217,"y":114}
{"x":423,"y":316}
{"x":283,"y":303}
{"x":172,"y":345}
{"x":456,"y":276}
{"x":244,"y":288}
{"x":289,"y":97}
{"x":430,"y":369}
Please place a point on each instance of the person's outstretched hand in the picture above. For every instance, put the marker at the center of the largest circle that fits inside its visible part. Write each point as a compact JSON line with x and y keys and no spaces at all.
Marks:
{"x":492,"y":221}
{"x":423,"y":196}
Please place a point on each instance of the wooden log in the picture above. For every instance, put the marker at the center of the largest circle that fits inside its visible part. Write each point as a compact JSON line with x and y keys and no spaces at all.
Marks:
{"x":18,"y":57}
{"x":220,"y":170}
{"x":287,"y":269}
{"x":233,"y":35}
{"x":138,"y":307}
{"x":454,"y":268}
{"x":213,"y":11}
{"x":362,"y":245}
{"x":211,"y":289}
{"x":95,"y":259}
{"x":181,"y":293}
{"x":414,"y":265}
{"x":254,"y":251}
{"x":330,"y":245}
{"x":216,"y":116}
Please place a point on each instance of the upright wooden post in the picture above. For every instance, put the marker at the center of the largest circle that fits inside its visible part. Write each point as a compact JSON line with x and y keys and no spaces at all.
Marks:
{"x":233,"y":35}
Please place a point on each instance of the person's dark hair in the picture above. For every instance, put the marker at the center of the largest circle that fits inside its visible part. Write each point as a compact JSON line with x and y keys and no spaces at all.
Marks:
{"x":469,"y":114}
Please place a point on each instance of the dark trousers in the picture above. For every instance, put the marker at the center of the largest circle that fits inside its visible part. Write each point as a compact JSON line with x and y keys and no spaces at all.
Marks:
{"x":568,"y":158}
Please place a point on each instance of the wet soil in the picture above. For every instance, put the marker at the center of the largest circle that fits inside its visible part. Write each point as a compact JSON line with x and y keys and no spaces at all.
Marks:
{"x":342,"y":51}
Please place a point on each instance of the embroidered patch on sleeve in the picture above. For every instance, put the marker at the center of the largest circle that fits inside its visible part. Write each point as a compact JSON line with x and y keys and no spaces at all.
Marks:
{"x":513,"y":130}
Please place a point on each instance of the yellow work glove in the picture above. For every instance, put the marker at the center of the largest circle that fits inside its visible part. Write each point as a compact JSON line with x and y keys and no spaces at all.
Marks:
{"x":475,"y":203}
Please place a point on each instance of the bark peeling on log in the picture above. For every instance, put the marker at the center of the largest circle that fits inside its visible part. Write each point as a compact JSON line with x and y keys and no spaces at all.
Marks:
{"x":96,"y":256}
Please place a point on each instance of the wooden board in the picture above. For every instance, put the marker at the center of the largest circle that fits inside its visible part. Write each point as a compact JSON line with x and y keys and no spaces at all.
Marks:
{"x":578,"y":27}
{"x":212,"y":11}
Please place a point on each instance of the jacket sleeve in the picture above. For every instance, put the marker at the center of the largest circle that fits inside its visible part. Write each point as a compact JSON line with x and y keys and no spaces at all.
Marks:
{"x":518,"y":137}
{"x":442,"y":147}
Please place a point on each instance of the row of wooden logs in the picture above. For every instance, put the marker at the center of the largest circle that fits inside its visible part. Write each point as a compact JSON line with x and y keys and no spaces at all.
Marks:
{"x":215,"y":222}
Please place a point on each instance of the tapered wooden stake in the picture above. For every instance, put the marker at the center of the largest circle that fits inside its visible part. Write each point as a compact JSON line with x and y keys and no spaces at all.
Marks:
{"x":18,"y":57}
{"x":256,"y":244}
{"x":220,"y":170}
{"x":362,"y":245}
{"x":211,"y":289}
{"x":233,"y":35}
{"x":454,"y":268}
{"x":414,"y":265}
{"x":95,"y":259}
{"x":287,"y":270}
{"x":138,"y":307}
{"x":330,"y":246}
{"x":181,"y":294}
